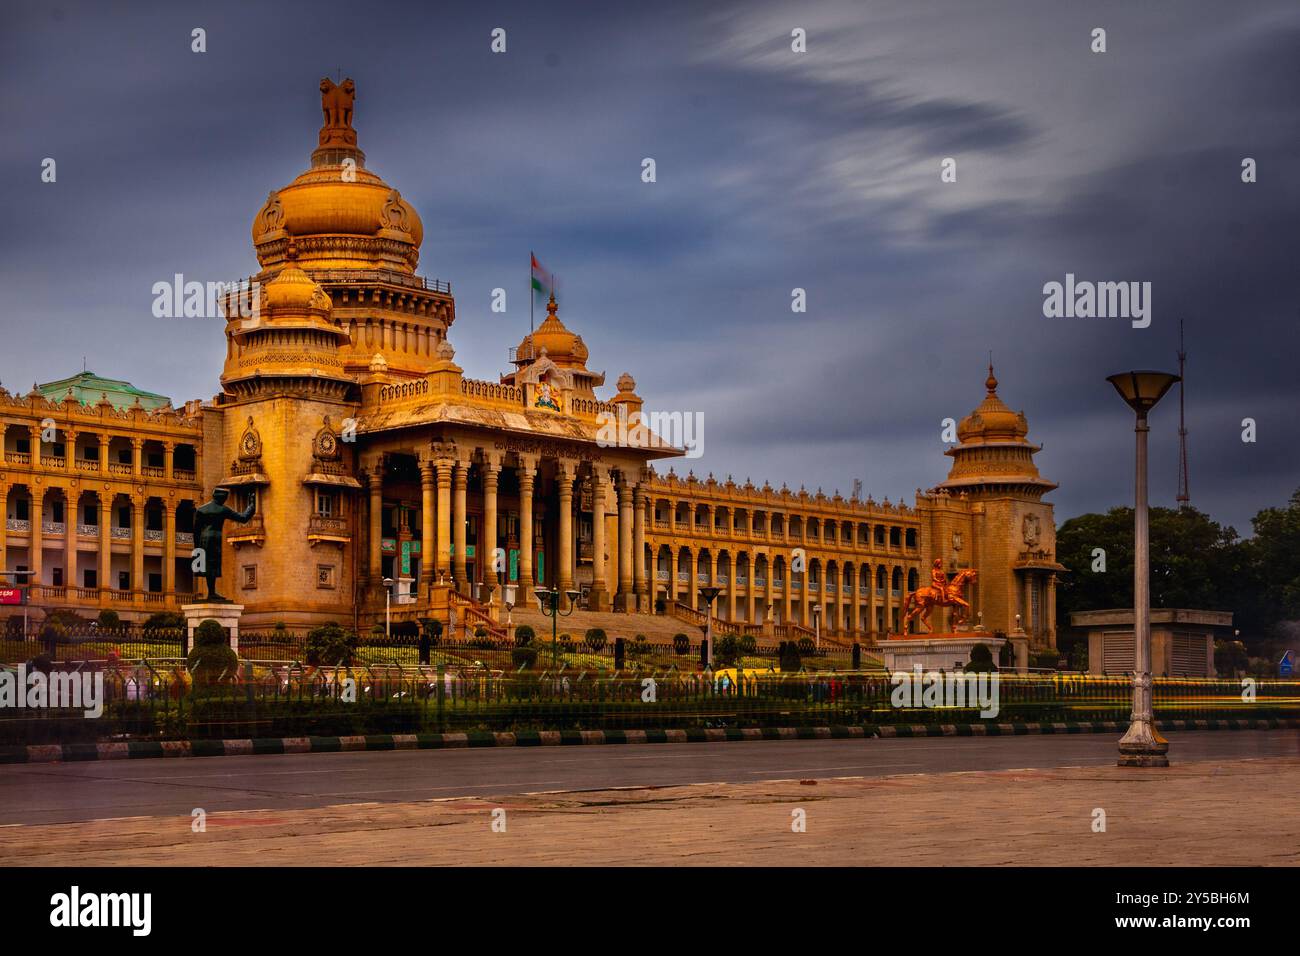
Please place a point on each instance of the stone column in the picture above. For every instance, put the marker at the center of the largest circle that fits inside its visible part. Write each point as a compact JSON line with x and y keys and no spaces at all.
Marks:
{"x":733,"y":558}
{"x":104,"y":439}
{"x":35,"y":445}
{"x":670,"y":591}
{"x":137,"y":542}
{"x":599,"y":598}
{"x":70,"y":537}
{"x":855,"y":609}
{"x":137,"y":456}
{"x":638,"y":548}
{"x":105,"y":542}
{"x":768,"y":587}
{"x":444,"y":467}
{"x":169,"y":459}
{"x":487,"y":560}
{"x":871,"y":598}
{"x":751,"y":614}
{"x":169,"y":544}
{"x":692,"y":556}
{"x":626,"y":599}
{"x":889,"y":601}
{"x":1026,"y":619}
{"x":375,"y":474}
{"x":36,"y":549}
{"x":459,"y":518}
{"x":526,"y":469}
{"x":4,"y":519}
{"x":428,"y":553}
{"x":1049,"y":604}
{"x":69,"y":451}
{"x":787,"y":591}
{"x":564,"y":560}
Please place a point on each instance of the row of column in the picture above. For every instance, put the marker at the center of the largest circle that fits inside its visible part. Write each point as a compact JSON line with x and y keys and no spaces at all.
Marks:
{"x":444,"y":480}
{"x":730,"y":595}
{"x":70,"y":451}
{"x":36,"y":539}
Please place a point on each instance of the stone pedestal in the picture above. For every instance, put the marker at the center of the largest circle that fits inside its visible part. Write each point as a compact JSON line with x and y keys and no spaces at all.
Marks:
{"x":1020,"y":644}
{"x":227,"y":615}
{"x":934,"y":652}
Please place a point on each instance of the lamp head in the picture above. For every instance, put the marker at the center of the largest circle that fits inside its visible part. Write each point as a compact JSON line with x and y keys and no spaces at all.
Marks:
{"x":710,"y":593}
{"x":1143,"y":388}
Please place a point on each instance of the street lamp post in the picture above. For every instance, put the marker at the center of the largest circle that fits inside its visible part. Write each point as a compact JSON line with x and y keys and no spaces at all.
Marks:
{"x":1142,"y":746}
{"x":549,"y":600}
{"x":388,"y":617}
{"x":817,"y":625}
{"x":710,"y":594}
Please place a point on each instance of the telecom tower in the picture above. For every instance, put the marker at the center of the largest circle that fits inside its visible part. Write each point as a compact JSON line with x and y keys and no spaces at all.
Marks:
{"x":1184,"y":497}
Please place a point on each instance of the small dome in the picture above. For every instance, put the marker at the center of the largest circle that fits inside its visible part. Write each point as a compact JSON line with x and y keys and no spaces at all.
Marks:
{"x":993,"y":420}
{"x":563,"y":347}
{"x":293,"y":292}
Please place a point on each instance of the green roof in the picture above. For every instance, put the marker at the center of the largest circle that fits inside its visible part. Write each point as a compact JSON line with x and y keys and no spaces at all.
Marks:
{"x":89,"y":388}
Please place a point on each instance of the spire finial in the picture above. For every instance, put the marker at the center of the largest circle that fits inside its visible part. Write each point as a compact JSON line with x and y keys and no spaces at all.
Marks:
{"x":991,"y":383}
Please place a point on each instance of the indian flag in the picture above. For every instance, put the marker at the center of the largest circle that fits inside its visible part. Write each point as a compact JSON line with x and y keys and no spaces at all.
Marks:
{"x":542,"y":284}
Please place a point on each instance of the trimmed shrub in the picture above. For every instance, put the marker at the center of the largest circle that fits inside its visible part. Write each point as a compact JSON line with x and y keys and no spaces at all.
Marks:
{"x":524,"y":635}
{"x":806,"y":646}
{"x":212,"y":661}
{"x":158,"y":621}
{"x":525,"y":656}
{"x":726,"y":651}
{"x":681,"y":644}
{"x":789,"y":657}
{"x":981,"y":660}
{"x":596,"y":638}
{"x":330,"y":644}
{"x":109,"y":619}
{"x":747,"y":644}
{"x":432,"y":629}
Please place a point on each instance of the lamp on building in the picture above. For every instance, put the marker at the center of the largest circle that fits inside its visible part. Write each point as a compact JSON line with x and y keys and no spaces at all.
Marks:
{"x":388,"y":603}
{"x":1142,"y":746}
{"x":710,"y":594}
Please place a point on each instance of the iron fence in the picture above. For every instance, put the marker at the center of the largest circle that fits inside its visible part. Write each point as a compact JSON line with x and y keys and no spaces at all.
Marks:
{"x":162,"y":699}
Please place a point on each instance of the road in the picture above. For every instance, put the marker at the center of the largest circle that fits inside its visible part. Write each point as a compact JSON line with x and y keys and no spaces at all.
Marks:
{"x":35,"y":794}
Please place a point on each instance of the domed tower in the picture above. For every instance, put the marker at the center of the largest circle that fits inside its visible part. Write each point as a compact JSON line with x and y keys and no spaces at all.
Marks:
{"x":336,"y":297}
{"x":990,"y":515}
{"x":552,"y":342}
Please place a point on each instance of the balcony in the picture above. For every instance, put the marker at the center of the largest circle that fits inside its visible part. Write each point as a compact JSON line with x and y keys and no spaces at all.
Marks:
{"x":153,"y":537}
{"x":87,"y":464}
{"x":325,"y":528}
{"x":21,"y":525}
{"x":182,"y":474}
{"x":18,"y":458}
{"x":185,"y":538}
{"x":152,"y":471}
{"x":120,"y":534}
{"x":117,"y":468}
{"x":53,"y":527}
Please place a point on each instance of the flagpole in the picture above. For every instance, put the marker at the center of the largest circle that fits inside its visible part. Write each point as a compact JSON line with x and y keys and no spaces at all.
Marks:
{"x":531,"y":297}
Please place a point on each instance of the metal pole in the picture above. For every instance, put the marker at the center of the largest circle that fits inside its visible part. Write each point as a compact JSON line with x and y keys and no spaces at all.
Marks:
{"x":1142,"y":746}
{"x":708,"y":629}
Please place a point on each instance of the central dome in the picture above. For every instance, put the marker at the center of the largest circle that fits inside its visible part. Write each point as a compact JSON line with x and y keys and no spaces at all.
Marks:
{"x":338,"y":214}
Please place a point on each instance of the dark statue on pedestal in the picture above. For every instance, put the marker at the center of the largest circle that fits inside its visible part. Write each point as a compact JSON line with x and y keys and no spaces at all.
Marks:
{"x":208,"y":521}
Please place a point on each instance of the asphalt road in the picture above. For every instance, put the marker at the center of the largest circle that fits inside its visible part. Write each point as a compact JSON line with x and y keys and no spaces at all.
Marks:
{"x":73,"y":792}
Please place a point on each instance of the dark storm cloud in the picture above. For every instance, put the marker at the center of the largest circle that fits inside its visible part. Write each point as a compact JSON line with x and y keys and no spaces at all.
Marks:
{"x":775,"y":172}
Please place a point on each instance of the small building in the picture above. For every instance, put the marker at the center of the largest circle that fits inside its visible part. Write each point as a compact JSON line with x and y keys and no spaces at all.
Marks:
{"x":1182,"y":640}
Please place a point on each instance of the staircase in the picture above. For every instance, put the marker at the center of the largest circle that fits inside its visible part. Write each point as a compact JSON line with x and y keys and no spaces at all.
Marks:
{"x":658,"y":629}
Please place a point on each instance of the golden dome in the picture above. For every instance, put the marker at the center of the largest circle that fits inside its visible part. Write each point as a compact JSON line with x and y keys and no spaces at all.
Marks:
{"x":993,"y":420}
{"x":293,"y":292}
{"x":338,"y":214}
{"x":563,"y":347}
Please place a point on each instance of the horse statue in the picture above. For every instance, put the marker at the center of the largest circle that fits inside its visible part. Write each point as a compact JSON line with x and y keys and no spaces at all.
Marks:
{"x":925,"y":599}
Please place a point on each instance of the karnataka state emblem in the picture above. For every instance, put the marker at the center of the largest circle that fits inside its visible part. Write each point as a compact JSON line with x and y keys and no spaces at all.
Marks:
{"x":546,"y":397}
{"x":1030,"y":529}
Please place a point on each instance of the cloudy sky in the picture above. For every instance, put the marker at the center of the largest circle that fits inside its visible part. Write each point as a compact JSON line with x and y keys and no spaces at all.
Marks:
{"x":775,"y":170}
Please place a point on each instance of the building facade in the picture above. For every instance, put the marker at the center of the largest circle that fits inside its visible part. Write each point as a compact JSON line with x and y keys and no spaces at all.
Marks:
{"x":343,"y":414}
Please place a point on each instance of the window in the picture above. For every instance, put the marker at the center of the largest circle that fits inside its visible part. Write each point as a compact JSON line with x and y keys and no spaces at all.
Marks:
{"x":124,"y":516}
{"x":90,"y":578}
{"x":155,"y":581}
{"x":23,"y":446}
{"x":22,"y":509}
{"x":57,"y":577}
{"x":56,"y":512}
{"x":58,"y":449}
{"x":325,"y":504}
{"x":124,"y":456}
{"x":90,"y":453}
{"x":124,"y":580}
{"x":90,"y":516}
